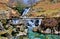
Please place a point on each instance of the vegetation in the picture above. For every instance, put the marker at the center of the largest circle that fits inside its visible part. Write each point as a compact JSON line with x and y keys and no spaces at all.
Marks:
{"x":19,"y":7}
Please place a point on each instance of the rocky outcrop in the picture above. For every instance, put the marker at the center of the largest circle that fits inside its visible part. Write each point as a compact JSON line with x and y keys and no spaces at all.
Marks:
{"x":44,"y":8}
{"x":7,"y":12}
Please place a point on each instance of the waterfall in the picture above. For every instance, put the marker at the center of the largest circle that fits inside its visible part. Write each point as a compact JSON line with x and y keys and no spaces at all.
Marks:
{"x":25,"y":11}
{"x":1,"y":27}
{"x":31,"y":23}
{"x":34,"y":23}
{"x":15,"y":21}
{"x":40,"y":20}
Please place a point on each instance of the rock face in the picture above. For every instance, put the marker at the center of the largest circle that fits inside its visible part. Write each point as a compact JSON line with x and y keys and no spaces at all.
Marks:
{"x":12,"y":3}
{"x":45,"y":8}
{"x":4,"y":1}
{"x":51,"y":22}
{"x":5,"y":11}
{"x":9,"y":2}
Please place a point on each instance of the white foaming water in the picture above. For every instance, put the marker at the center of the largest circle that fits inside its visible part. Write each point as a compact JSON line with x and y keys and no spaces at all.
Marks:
{"x":30,"y":23}
{"x":40,"y":20}
{"x":26,"y":11}
{"x":15,"y":21}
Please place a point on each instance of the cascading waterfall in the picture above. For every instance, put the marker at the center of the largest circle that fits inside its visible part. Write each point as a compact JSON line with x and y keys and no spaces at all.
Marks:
{"x":30,"y":22}
{"x":26,"y":11}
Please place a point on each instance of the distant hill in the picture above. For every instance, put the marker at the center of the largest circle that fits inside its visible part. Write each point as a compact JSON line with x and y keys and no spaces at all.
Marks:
{"x":27,"y":2}
{"x":23,"y":2}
